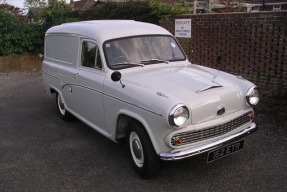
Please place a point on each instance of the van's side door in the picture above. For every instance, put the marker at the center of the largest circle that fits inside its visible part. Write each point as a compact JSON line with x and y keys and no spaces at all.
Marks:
{"x":88,"y":89}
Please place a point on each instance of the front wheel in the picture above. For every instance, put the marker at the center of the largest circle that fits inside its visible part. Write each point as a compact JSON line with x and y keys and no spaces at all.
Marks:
{"x":145,"y":160}
{"x":64,"y":114}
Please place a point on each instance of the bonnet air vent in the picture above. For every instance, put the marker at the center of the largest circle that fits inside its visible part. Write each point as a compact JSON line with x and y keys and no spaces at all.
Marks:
{"x":208,"y":88}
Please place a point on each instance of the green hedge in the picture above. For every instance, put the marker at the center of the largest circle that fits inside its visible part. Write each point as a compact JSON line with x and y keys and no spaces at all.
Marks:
{"x":18,"y":36}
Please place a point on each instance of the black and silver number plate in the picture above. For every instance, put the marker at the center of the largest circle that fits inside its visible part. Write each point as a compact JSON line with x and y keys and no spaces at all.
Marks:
{"x":224,"y":151}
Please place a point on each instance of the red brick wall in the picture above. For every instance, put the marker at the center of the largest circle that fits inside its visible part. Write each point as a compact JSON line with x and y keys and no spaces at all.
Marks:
{"x":253,"y":45}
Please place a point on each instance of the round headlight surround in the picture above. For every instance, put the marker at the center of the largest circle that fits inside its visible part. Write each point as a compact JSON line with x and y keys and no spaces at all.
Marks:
{"x":252,"y":96}
{"x":178,"y":115}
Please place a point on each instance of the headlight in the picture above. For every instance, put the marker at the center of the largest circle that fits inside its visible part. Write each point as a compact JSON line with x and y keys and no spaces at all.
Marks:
{"x":178,"y":115}
{"x":252,"y":96}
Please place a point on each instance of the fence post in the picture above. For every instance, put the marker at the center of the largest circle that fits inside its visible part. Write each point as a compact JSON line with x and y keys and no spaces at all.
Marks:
{"x":194,"y":6}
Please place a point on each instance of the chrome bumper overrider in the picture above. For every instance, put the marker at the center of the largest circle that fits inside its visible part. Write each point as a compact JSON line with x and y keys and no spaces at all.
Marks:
{"x":204,"y":148}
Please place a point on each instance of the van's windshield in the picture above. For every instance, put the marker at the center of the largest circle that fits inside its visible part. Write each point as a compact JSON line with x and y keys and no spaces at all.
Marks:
{"x":141,"y":50}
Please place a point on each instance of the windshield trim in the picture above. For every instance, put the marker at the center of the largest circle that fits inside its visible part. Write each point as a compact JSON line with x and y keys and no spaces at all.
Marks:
{"x":146,"y":35}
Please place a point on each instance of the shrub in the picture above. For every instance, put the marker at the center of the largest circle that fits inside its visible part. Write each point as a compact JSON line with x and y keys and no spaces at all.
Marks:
{"x":17,"y":36}
{"x":56,"y":13}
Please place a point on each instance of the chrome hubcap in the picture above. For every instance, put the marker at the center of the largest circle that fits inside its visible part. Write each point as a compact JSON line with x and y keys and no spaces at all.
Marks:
{"x":61,"y":105}
{"x":137,"y":148}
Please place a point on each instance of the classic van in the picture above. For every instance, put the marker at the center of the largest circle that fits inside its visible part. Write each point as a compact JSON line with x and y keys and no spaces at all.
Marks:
{"x":131,"y":80}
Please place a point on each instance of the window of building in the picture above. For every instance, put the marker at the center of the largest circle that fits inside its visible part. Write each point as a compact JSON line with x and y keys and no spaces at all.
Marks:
{"x":276,"y":7}
{"x":255,"y":9}
{"x":90,"y":55}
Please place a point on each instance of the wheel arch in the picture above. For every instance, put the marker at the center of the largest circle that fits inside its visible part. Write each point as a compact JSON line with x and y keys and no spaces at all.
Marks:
{"x":125,"y":120}
{"x":54,"y":90}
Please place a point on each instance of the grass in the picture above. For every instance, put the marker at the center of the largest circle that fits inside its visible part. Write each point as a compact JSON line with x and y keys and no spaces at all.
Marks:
{"x":20,"y":63}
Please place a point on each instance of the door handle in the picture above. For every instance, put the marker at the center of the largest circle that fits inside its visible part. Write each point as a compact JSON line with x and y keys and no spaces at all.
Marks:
{"x":76,"y":75}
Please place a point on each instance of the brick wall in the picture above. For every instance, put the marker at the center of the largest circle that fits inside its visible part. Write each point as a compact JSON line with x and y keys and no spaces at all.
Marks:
{"x":253,"y":45}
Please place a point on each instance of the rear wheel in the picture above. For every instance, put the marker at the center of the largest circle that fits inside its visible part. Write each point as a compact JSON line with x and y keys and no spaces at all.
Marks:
{"x":145,"y":160}
{"x":64,"y":114}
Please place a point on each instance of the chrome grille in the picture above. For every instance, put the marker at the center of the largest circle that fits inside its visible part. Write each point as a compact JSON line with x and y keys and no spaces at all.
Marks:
{"x":210,"y":132}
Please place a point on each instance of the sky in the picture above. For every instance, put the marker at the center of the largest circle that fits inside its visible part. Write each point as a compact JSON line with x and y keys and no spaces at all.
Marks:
{"x":19,"y":3}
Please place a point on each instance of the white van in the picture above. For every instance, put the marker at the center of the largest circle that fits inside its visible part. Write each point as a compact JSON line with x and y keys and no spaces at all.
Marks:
{"x":132,"y":80}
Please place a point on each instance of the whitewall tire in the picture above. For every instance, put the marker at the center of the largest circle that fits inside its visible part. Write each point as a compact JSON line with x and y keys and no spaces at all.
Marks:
{"x":64,"y":114}
{"x":144,"y":158}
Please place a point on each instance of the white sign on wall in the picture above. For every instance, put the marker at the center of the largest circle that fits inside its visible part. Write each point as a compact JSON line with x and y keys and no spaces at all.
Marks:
{"x":183,"y":28}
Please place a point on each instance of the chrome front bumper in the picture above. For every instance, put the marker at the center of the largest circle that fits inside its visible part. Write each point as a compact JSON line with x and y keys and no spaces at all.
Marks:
{"x":204,"y":148}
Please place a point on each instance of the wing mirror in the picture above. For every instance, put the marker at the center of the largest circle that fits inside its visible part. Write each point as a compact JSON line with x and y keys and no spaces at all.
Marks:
{"x":116,"y":76}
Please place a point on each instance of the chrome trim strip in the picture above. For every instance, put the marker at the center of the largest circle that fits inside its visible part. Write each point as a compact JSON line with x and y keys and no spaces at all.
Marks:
{"x":204,"y":148}
{"x":50,"y":74}
{"x":107,"y":95}
{"x":124,"y":101}
{"x":161,"y":115}
{"x":68,"y":84}
{"x":211,"y":132}
{"x":208,"y":88}
{"x":60,"y":61}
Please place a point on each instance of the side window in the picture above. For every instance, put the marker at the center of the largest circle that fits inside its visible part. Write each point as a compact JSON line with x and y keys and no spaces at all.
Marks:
{"x":90,"y":55}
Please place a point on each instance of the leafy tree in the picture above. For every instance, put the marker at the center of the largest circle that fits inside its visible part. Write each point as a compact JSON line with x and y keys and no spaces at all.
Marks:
{"x":35,"y":9}
{"x":3,"y":2}
{"x":11,"y":9}
{"x":160,"y":9}
{"x":147,"y":11}
{"x":35,"y":3}
{"x":56,"y":13}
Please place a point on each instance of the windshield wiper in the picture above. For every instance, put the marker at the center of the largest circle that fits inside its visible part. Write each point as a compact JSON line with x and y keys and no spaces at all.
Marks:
{"x":154,"y":61}
{"x":127,"y":63}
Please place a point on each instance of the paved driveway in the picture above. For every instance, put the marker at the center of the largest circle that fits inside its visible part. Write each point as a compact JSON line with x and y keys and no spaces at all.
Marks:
{"x":39,"y":152}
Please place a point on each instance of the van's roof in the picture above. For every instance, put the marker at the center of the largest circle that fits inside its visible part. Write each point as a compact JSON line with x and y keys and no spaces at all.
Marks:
{"x":102,"y":30}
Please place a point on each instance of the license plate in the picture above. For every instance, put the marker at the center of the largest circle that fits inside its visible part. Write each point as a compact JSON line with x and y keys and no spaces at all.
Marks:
{"x":224,"y":151}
